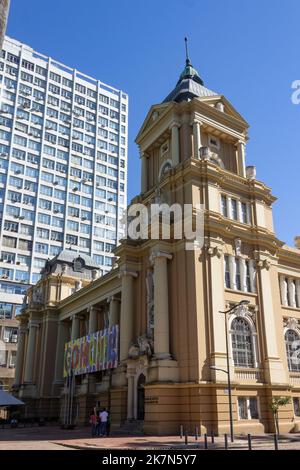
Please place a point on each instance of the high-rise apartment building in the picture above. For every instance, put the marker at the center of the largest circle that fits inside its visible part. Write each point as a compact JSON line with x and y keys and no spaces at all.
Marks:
{"x":4,"y":10}
{"x":63,"y":163}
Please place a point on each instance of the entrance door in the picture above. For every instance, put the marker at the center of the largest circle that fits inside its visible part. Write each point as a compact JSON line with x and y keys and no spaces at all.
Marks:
{"x":141,"y":397}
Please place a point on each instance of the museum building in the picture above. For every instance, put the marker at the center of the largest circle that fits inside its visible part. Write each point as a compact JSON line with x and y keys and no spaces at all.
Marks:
{"x":147,"y":340}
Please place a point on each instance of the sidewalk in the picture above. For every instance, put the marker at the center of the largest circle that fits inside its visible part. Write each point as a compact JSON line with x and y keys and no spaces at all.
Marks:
{"x":54,"y":438}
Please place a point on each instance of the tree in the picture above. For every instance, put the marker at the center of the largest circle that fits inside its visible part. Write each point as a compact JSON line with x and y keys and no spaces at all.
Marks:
{"x":275,"y":404}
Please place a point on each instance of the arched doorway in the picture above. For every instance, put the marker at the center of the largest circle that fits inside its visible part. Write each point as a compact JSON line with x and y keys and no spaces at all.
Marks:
{"x":141,"y":397}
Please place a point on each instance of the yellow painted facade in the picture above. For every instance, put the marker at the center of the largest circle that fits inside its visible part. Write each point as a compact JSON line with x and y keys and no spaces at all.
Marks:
{"x":167,"y":300}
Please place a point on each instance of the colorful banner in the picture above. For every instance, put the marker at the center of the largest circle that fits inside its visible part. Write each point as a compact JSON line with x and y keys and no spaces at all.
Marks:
{"x":91,"y":353}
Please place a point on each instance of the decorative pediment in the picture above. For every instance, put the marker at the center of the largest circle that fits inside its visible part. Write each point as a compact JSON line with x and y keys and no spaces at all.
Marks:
{"x":219,"y":101}
{"x":155,"y":113}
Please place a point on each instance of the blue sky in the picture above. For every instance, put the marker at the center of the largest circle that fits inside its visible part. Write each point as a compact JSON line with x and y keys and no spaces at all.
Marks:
{"x":247,"y":50}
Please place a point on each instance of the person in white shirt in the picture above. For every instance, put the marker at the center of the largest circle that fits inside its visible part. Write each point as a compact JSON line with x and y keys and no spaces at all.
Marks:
{"x":103,"y":422}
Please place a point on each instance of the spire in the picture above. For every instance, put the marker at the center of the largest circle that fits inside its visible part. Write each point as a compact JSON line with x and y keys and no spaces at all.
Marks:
{"x":190,"y":84}
{"x":189,"y":71}
{"x":187,"y":60}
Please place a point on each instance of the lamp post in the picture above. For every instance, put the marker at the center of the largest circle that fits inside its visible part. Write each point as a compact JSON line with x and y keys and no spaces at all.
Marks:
{"x":243,"y":302}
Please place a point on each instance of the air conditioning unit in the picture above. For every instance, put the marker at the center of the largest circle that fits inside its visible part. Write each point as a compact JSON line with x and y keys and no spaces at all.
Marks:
{"x":55,"y":183}
{"x":75,"y":189}
{"x":18,"y":262}
{"x":6,"y":340}
{"x":17,"y":172}
{"x":14,"y":338}
{"x":4,"y":276}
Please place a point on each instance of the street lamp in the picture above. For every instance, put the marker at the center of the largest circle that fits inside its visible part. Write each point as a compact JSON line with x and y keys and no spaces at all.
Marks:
{"x":242,"y":302}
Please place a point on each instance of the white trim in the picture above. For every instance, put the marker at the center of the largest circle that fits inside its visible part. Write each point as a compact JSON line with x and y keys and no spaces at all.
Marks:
{"x":163,"y":165}
{"x":254,"y":342}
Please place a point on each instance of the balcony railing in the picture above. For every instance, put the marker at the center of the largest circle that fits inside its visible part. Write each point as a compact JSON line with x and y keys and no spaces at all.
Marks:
{"x":248,"y":375}
{"x":295,"y":378}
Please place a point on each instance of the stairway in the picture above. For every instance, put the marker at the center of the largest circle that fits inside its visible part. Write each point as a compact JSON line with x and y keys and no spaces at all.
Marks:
{"x":129,"y":428}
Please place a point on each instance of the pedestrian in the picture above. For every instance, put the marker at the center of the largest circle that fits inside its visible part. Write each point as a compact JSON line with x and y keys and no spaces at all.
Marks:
{"x":94,"y":422}
{"x":103,"y":422}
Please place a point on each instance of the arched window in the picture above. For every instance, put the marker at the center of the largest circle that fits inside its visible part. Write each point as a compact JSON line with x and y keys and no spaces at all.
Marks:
{"x":166,"y":166}
{"x":241,"y":340}
{"x":292,"y":345}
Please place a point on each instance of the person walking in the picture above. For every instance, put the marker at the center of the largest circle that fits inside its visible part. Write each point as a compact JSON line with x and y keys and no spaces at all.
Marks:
{"x":94,"y":423}
{"x":103,"y":422}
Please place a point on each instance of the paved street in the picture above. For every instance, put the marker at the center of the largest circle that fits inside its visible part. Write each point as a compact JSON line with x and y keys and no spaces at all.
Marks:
{"x":54,"y":438}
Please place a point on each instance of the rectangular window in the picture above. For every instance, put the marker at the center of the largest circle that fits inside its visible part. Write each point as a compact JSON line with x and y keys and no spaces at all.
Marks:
{"x":248,"y":408}
{"x":42,"y":233}
{"x":71,"y":239}
{"x":224,"y":205}
{"x":41,"y":248}
{"x":234,"y":212}
{"x":248,"y":282}
{"x":244,"y":217}
{"x":296,"y":404}
{"x":227,"y":271}
{"x":238,"y":274}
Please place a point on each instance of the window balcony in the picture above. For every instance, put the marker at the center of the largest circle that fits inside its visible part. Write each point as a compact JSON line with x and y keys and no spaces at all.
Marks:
{"x":248,"y":375}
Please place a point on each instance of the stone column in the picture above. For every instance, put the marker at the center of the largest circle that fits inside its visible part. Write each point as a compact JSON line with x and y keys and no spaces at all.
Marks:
{"x":292,"y":292}
{"x":298,"y":292}
{"x":283,"y":291}
{"x":62,"y":339}
{"x":197,"y":138}
{"x":232,"y":267}
{"x":114,"y":305}
{"x":126,"y":316}
{"x":275,"y":370}
{"x":130,"y":397}
{"x":31,"y":349}
{"x":217,"y":304}
{"x":161,"y":304}
{"x":241,"y":158}
{"x":185,"y":134}
{"x":175,"y":143}
{"x":93,"y":320}
{"x":144,"y":172}
{"x":243,"y":269}
{"x":75,"y":331}
{"x":23,"y":330}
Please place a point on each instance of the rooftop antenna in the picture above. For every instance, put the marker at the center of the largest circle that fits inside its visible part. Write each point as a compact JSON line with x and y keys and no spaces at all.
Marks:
{"x":186,"y":51}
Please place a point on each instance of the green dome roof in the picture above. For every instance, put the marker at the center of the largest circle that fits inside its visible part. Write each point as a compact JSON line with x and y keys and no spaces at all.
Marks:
{"x":190,"y":72}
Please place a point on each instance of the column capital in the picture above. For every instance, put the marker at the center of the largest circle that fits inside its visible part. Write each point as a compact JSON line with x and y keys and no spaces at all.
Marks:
{"x":111,"y":298}
{"x":240,"y":142}
{"x":143,"y":155}
{"x":92,"y":308}
{"x":125,"y":272}
{"x":34,"y":324}
{"x":195,"y":120}
{"x":159,"y":254}
{"x":175,"y":124}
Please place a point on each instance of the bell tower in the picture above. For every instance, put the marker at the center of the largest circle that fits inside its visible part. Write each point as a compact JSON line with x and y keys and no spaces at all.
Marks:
{"x":192,"y":122}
